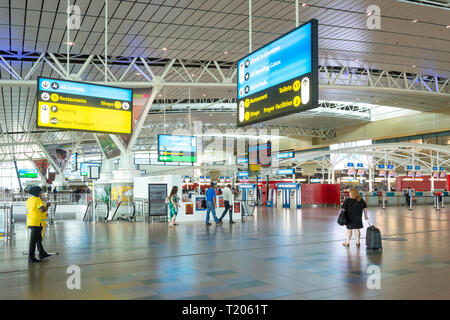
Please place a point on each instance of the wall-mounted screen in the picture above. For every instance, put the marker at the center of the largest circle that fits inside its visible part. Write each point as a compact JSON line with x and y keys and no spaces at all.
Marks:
{"x":84,"y":168}
{"x":28,"y":173}
{"x":94,"y":172}
{"x":281,"y":78}
{"x":83,"y":106}
{"x":177,"y":148}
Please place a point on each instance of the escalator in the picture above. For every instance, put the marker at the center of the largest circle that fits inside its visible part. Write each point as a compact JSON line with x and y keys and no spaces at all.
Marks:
{"x":125,"y":211}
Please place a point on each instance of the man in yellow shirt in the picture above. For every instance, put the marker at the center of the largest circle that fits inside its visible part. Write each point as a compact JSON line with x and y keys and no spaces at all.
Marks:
{"x":36,"y":220}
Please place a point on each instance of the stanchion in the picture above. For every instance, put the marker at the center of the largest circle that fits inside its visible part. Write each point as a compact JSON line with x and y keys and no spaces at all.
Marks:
{"x":410,"y":202}
{"x":384,"y":200}
{"x":442,"y":202}
{"x":436,"y":200}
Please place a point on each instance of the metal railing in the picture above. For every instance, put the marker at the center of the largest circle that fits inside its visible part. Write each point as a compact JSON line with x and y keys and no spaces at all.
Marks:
{"x":61,"y":197}
{"x":8,"y":221}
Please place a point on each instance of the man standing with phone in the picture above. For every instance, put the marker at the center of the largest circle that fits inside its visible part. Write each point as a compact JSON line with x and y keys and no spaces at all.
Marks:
{"x":211,"y":205}
{"x":36,"y":220}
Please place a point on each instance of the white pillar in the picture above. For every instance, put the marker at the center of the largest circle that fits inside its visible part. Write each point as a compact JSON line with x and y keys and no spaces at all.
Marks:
{"x":370,"y":179}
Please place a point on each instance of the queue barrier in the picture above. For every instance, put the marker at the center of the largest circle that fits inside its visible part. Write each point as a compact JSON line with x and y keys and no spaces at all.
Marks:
{"x":8,"y":220}
{"x":389,"y":198}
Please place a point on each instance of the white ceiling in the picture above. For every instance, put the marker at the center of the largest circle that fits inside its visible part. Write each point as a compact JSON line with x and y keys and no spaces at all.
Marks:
{"x":205,"y":29}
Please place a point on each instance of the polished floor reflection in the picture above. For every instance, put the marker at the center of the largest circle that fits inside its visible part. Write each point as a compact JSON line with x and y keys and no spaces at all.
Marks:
{"x":278,"y":254}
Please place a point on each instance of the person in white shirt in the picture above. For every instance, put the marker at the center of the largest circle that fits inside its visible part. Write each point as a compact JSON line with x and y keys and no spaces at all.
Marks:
{"x":228,"y":200}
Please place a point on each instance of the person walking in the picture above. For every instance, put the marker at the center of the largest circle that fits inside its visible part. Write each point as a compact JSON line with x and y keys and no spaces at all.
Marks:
{"x":55,"y":193}
{"x":354,"y":207}
{"x":173,"y":206}
{"x":211,"y":205}
{"x":36,"y":220}
{"x":228,"y":200}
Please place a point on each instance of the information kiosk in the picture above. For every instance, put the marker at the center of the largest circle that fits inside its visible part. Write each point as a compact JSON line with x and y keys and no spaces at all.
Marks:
{"x":290,"y":195}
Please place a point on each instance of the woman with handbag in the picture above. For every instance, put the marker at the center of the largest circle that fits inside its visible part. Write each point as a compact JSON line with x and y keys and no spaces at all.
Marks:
{"x":354,"y":207}
{"x":173,"y":205}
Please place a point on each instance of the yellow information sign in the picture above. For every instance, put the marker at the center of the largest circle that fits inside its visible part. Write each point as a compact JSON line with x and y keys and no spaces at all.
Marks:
{"x":82,"y":106}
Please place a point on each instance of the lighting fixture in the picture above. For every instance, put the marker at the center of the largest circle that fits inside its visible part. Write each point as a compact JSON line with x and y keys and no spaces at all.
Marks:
{"x":415,"y":21}
{"x":225,"y":52}
{"x":70,"y":43}
{"x":164,"y":49}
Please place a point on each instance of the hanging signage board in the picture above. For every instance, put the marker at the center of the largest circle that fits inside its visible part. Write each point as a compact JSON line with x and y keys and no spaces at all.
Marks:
{"x":74,"y":105}
{"x":281,"y":78}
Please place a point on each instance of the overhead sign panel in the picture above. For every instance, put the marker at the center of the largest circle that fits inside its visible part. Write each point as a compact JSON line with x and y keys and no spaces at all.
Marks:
{"x":28,"y":173}
{"x":280,"y":172}
{"x":84,"y":167}
{"x":281,"y":78}
{"x":83,"y":106}
{"x":177,"y":148}
{"x":285,"y":155}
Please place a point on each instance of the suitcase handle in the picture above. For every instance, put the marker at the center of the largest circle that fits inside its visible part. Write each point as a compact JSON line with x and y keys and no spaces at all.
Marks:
{"x":368,"y":222}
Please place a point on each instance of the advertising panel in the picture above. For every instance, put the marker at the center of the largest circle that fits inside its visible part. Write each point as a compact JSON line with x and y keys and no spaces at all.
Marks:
{"x":60,"y":153}
{"x":157,"y":194}
{"x":74,"y":162}
{"x":109,"y":148}
{"x":42,"y":165}
{"x":281,"y":78}
{"x":73,"y":105}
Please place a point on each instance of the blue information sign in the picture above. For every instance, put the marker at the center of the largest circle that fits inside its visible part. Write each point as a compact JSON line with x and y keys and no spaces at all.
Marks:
{"x":390,"y":166}
{"x":285,"y":155}
{"x":242,"y":174}
{"x":281,"y":78}
{"x":381,"y":166}
{"x":350,"y":164}
{"x":177,"y":148}
{"x":409,"y":167}
{"x":360,"y":165}
{"x":417,"y":167}
{"x":285,"y":171}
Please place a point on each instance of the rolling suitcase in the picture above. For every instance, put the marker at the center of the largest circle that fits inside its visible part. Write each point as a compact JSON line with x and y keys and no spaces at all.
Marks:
{"x":373,"y":238}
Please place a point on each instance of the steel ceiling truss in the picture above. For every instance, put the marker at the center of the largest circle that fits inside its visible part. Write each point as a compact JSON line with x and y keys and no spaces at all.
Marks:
{"x":386,"y":79}
{"x":399,"y":154}
{"x":208,"y":73}
{"x":154,"y":128}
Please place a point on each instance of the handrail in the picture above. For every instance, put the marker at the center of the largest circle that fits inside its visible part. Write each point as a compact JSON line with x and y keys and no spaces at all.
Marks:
{"x":87,"y":209}
{"x":117,"y":208}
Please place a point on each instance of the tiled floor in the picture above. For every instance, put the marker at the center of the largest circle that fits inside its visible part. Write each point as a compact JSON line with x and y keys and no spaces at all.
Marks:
{"x":278,"y":254}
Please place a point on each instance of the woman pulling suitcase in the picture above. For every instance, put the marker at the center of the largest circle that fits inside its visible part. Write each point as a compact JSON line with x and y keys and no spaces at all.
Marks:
{"x":354,"y":207}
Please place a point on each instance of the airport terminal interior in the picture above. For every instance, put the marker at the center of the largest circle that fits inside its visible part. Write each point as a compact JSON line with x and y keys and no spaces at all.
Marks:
{"x":204,"y":149}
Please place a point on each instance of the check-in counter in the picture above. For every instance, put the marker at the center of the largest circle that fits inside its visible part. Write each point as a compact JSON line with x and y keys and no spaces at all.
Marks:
{"x":399,"y":199}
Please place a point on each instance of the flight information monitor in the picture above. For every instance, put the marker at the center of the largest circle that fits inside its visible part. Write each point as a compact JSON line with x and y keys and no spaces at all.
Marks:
{"x":281,"y":78}
{"x":83,"y":106}
{"x":28,"y":173}
{"x":177,"y":148}
{"x":84,"y":168}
